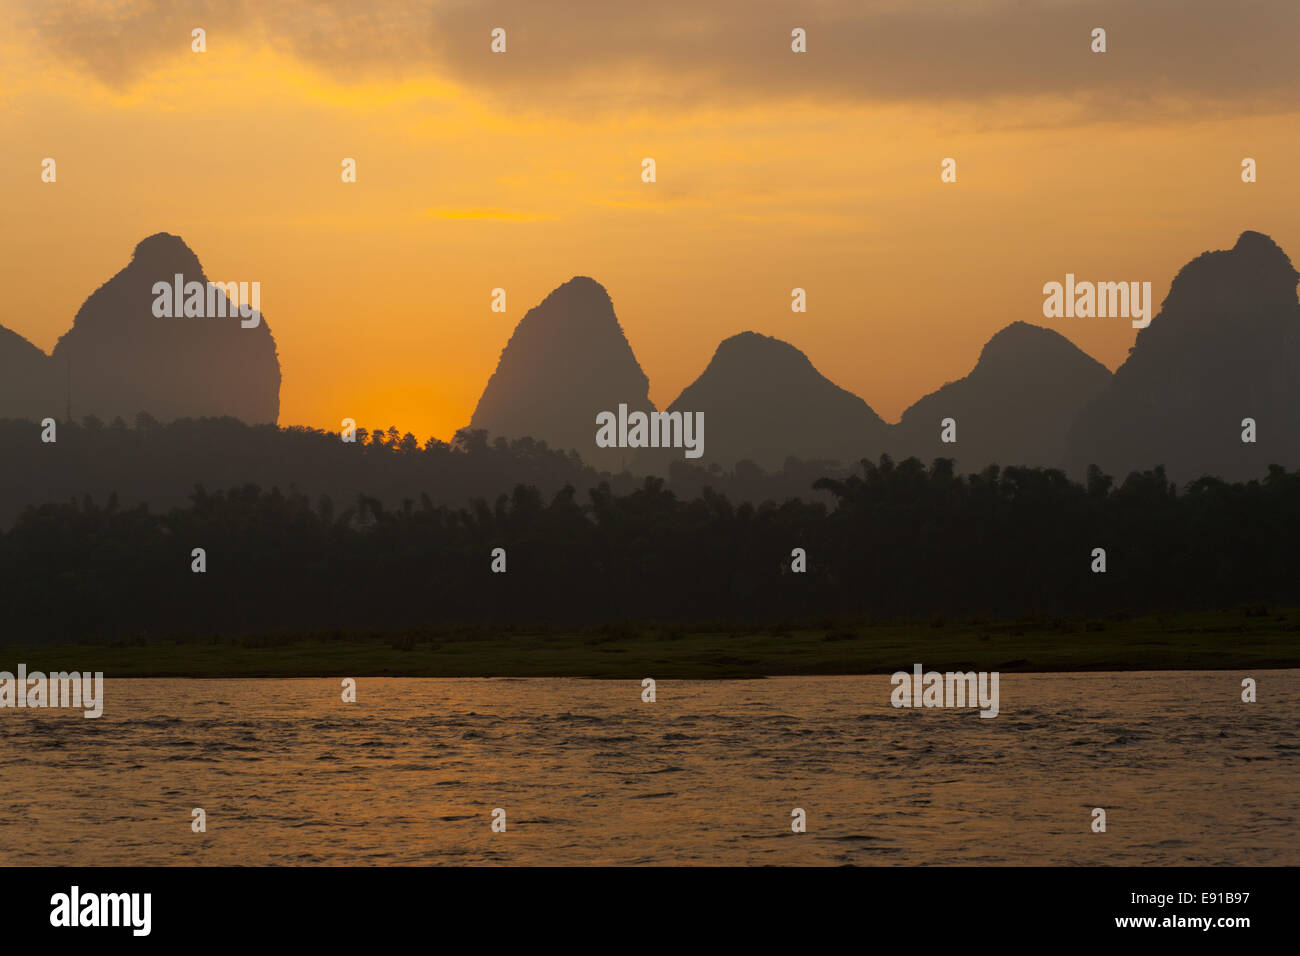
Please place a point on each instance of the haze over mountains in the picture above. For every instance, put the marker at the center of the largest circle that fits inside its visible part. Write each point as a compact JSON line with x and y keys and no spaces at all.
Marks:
{"x":1224,"y":347}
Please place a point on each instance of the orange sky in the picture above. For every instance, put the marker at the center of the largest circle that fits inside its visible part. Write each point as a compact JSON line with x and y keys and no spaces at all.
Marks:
{"x":378,"y":293}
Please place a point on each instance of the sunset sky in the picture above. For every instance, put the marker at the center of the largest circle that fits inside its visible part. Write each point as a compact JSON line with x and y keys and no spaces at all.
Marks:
{"x":521,"y":170}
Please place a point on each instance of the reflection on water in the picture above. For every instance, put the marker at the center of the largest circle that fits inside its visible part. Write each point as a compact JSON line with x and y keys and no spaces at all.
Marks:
{"x":587,"y":773}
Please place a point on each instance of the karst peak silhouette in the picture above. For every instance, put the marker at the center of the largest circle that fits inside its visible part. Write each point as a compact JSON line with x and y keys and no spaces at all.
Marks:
{"x":567,"y":360}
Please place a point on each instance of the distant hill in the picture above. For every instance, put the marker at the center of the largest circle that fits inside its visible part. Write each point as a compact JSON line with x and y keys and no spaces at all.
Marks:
{"x":567,"y":361}
{"x":123,"y":360}
{"x":763,"y":401}
{"x":1014,"y":408}
{"x":27,"y":384}
{"x":1225,"y":346}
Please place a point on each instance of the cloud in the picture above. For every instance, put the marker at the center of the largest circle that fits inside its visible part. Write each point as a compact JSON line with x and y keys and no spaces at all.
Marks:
{"x":597,"y":55}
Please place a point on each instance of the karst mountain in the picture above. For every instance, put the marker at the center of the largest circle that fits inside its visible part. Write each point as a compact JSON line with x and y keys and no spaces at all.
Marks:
{"x":1015,"y":407}
{"x":567,"y":361}
{"x":764,"y":401}
{"x":121,"y":359}
{"x":1224,"y":348}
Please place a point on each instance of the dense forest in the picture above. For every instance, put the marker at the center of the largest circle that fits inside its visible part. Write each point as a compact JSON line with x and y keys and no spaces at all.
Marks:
{"x":899,"y":540}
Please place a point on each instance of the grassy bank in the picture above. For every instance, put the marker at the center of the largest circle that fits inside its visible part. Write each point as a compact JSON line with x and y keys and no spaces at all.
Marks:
{"x":1228,"y":640}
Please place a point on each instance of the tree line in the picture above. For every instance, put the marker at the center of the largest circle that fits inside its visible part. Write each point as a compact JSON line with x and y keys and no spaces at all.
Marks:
{"x":898,"y":540}
{"x":160,"y":464}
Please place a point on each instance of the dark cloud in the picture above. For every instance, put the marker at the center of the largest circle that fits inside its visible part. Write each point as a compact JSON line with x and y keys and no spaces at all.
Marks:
{"x":602,"y":54}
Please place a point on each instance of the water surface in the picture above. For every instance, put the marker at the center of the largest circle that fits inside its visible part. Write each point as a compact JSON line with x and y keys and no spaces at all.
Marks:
{"x":708,"y":774}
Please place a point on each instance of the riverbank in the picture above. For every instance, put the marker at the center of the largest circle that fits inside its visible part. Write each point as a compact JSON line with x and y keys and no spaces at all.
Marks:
{"x":1227,"y":640}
